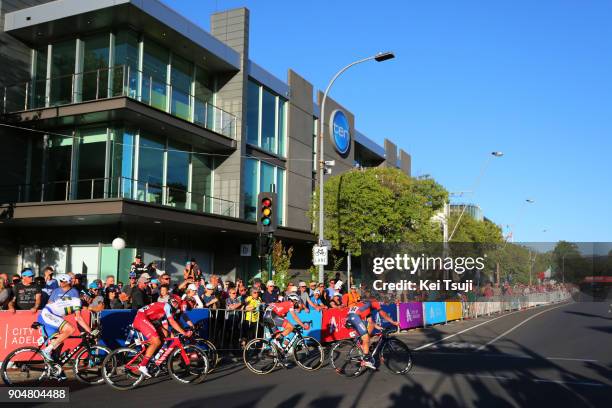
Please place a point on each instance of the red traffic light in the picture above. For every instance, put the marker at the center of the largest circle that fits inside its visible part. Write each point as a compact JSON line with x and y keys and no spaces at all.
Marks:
{"x":266,"y":202}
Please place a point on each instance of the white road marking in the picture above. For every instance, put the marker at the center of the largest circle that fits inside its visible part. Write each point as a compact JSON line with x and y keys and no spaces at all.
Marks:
{"x":464,"y":330}
{"x":517,"y":326}
{"x":503,"y":355}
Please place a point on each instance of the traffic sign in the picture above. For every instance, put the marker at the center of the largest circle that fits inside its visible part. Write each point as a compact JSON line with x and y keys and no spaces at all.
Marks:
{"x":319,"y":255}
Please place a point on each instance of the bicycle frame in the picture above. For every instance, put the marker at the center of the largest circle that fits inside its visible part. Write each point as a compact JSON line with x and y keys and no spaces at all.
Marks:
{"x":173,"y":344}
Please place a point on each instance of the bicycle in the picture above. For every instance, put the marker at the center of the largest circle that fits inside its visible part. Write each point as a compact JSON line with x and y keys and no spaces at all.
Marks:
{"x":262,"y":355}
{"x":28,"y":367}
{"x":186,"y":364}
{"x":135,"y":339}
{"x":346,"y":356}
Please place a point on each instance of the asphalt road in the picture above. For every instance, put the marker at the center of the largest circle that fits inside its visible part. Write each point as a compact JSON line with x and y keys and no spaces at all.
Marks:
{"x":559,"y":355}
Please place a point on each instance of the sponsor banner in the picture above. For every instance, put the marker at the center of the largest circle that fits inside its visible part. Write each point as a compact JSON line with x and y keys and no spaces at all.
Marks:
{"x":410,"y":315}
{"x":453,"y":311}
{"x":434,"y":312}
{"x":16,"y":330}
{"x":315,"y":319}
{"x":391,"y":311}
{"x":332,"y":325}
{"x":115,"y":325}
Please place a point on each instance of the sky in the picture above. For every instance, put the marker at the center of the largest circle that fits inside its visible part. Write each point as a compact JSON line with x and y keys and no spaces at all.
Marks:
{"x":532,"y":79}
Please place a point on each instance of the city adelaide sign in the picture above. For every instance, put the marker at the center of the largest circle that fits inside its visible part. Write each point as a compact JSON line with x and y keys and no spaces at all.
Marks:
{"x":340,"y":132}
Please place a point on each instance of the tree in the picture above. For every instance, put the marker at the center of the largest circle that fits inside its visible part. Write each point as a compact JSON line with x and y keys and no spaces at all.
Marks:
{"x":377,"y":205}
{"x":472,"y":230}
{"x":281,"y":262}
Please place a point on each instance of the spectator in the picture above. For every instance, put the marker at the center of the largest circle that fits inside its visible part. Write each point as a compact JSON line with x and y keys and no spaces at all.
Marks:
{"x":164,"y":279}
{"x":192,"y":271}
{"x":305,"y":297}
{"x":351,"y":298}
{"x":27,"y":294}
{"x":243,"y":293}
{"x":217,"y":285}
{"x":126,"y":295}
{"x":233,"y":302}
{"x":138,"y":267}
{"x":209,"y":299}
{"x":291,"y":288}
{"x":93,"y":298}
{"x":252,"y":304}
{"x":312,"y":288}
{"x":154,"y":287}
{"x":164,"y":293}
{"x":331,"y":289}
{"x":317,"y":301}
{"x":324,"y":294}
{"x":140,"y":297}
{"x":336,"y":301}
{"x":271,"y":293}
{"x":191,"y":294}
{"x":109,"y":282}
{"x":120,"y":285}
{"x":6,"y":293}
{"x":16,"y":279}
{"x":78,"y":282}
{"x":65,"y":288}
{"x":50,"y":283}
{"x":257,"y":285}
{"x":111,"y":298}
{"x":152,"y":269}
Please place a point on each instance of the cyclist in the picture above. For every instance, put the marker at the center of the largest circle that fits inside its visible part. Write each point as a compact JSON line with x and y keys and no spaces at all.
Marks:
{"x":149,"y":321}
{"x":356,"y":316}
{"x":52,"y":317}
{"x":275,"y":315}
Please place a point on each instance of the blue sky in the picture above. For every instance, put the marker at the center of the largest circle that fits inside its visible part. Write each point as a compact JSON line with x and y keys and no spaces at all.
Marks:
{"x":530,"y":78}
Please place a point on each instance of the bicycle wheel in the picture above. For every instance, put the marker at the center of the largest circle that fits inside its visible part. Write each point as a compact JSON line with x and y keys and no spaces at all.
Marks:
{"x":308,"y":353}
{"x":396,"y":356}
{"x":191,"y":372}
{"x":211,"y":352}
{"x":120,"y":368}
{"x":25,"y":367}
{"x":346,"y":358}
{"x":260,"y":356}
{"x":88,"y":364}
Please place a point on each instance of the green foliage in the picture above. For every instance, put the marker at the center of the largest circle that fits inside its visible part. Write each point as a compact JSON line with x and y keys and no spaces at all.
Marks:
{"x":376,"y":205}
{"x":281,"y":262}
{"x":472,"y":230}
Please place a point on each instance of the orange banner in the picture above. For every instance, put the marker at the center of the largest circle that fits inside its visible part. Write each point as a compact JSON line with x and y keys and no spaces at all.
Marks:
{"x":453,"y":311}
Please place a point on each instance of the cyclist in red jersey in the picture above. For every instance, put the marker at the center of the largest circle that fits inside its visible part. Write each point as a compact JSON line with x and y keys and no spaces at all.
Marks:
{"x":356,"y":316}
{"x":275,"y":314}
{"x":149,"y":320}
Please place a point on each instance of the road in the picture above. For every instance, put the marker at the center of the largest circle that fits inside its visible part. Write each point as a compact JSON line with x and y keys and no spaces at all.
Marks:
{"x":558,"y":355}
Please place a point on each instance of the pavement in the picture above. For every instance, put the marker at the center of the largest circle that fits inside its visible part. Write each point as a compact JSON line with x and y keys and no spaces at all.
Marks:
{"x":558,"y":355}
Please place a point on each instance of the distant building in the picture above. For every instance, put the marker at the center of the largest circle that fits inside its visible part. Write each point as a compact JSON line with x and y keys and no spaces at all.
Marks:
{"x":472,"y":209}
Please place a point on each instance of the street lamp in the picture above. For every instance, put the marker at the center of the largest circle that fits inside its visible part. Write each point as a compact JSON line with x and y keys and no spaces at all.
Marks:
{"x":519,"y":218}
{"x":380,"y":57}
{"x":482,"y":171}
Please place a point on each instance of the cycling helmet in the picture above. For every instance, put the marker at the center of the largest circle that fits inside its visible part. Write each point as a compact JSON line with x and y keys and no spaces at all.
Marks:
{"x":293,"y":298}
{"x":176,"y":302}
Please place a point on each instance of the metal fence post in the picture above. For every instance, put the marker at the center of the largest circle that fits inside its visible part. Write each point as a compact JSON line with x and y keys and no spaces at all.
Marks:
{"x":27,"y":92}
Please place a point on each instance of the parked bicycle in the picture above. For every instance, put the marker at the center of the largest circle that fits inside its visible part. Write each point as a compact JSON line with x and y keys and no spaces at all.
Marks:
{"x":185,"y":363}
{"x":27,"y":366}
{"x":347,"y":357}
{"x":262,"y":355}
{"x":135,"y":339}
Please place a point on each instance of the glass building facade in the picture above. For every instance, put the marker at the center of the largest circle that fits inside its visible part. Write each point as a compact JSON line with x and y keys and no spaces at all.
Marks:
{"x":260,"y":176}
{"x":266,"y":119}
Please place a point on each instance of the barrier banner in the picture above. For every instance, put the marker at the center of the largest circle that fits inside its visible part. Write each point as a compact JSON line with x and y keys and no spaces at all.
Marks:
{"x":391,"y":311}
{"x":115,"y":324}
{"x":315,"y":317}
{"x":435,"y":312}
{"x":332,"y":325}
{"x":410,"y":315}
{"x":453,"y":311}
{"x":16,"y":330}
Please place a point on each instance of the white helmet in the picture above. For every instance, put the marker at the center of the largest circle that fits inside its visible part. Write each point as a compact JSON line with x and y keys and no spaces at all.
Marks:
{"x":293,"y":297}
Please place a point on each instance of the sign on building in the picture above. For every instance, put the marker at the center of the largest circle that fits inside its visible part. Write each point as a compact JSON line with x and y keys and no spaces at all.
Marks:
{"x":245,"y":249}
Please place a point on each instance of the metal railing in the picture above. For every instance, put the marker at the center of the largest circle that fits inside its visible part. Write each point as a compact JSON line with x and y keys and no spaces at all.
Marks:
{"x":120,"y":80}
{"x":118,"y":187}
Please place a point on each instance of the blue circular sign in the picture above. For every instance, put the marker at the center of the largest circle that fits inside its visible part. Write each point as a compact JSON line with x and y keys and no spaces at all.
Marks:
{"x":340,"y":132}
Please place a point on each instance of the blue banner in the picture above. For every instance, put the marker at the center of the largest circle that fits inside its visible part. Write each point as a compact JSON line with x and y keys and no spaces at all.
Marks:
{"x":314,"y":318}
{"x":379,"y":320}
{"x":435,"y":312}
{"x":115,"y":325}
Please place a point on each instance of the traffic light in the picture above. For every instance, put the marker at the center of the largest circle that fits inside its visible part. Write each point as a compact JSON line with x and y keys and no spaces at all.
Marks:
{"x":266,"y":216}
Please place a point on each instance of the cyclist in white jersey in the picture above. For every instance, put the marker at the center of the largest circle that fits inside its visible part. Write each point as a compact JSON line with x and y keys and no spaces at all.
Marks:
{"x":53,"y":314}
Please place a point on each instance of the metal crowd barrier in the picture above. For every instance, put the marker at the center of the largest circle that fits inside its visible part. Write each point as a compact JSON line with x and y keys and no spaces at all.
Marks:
{"x":508,"y":303}
{"x":231,"y":329}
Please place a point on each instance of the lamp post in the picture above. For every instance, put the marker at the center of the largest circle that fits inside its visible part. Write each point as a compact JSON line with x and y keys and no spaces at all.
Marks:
{"x":518,"y":220}
{"x":380,"y":57}
{"x":482,"y":171}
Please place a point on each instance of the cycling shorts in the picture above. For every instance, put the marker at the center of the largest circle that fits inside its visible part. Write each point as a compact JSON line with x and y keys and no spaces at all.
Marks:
{"x":145,"y":326}
{"x":357,"y":323}
{"x":52,"y":323}
{"x":273,"y":320}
